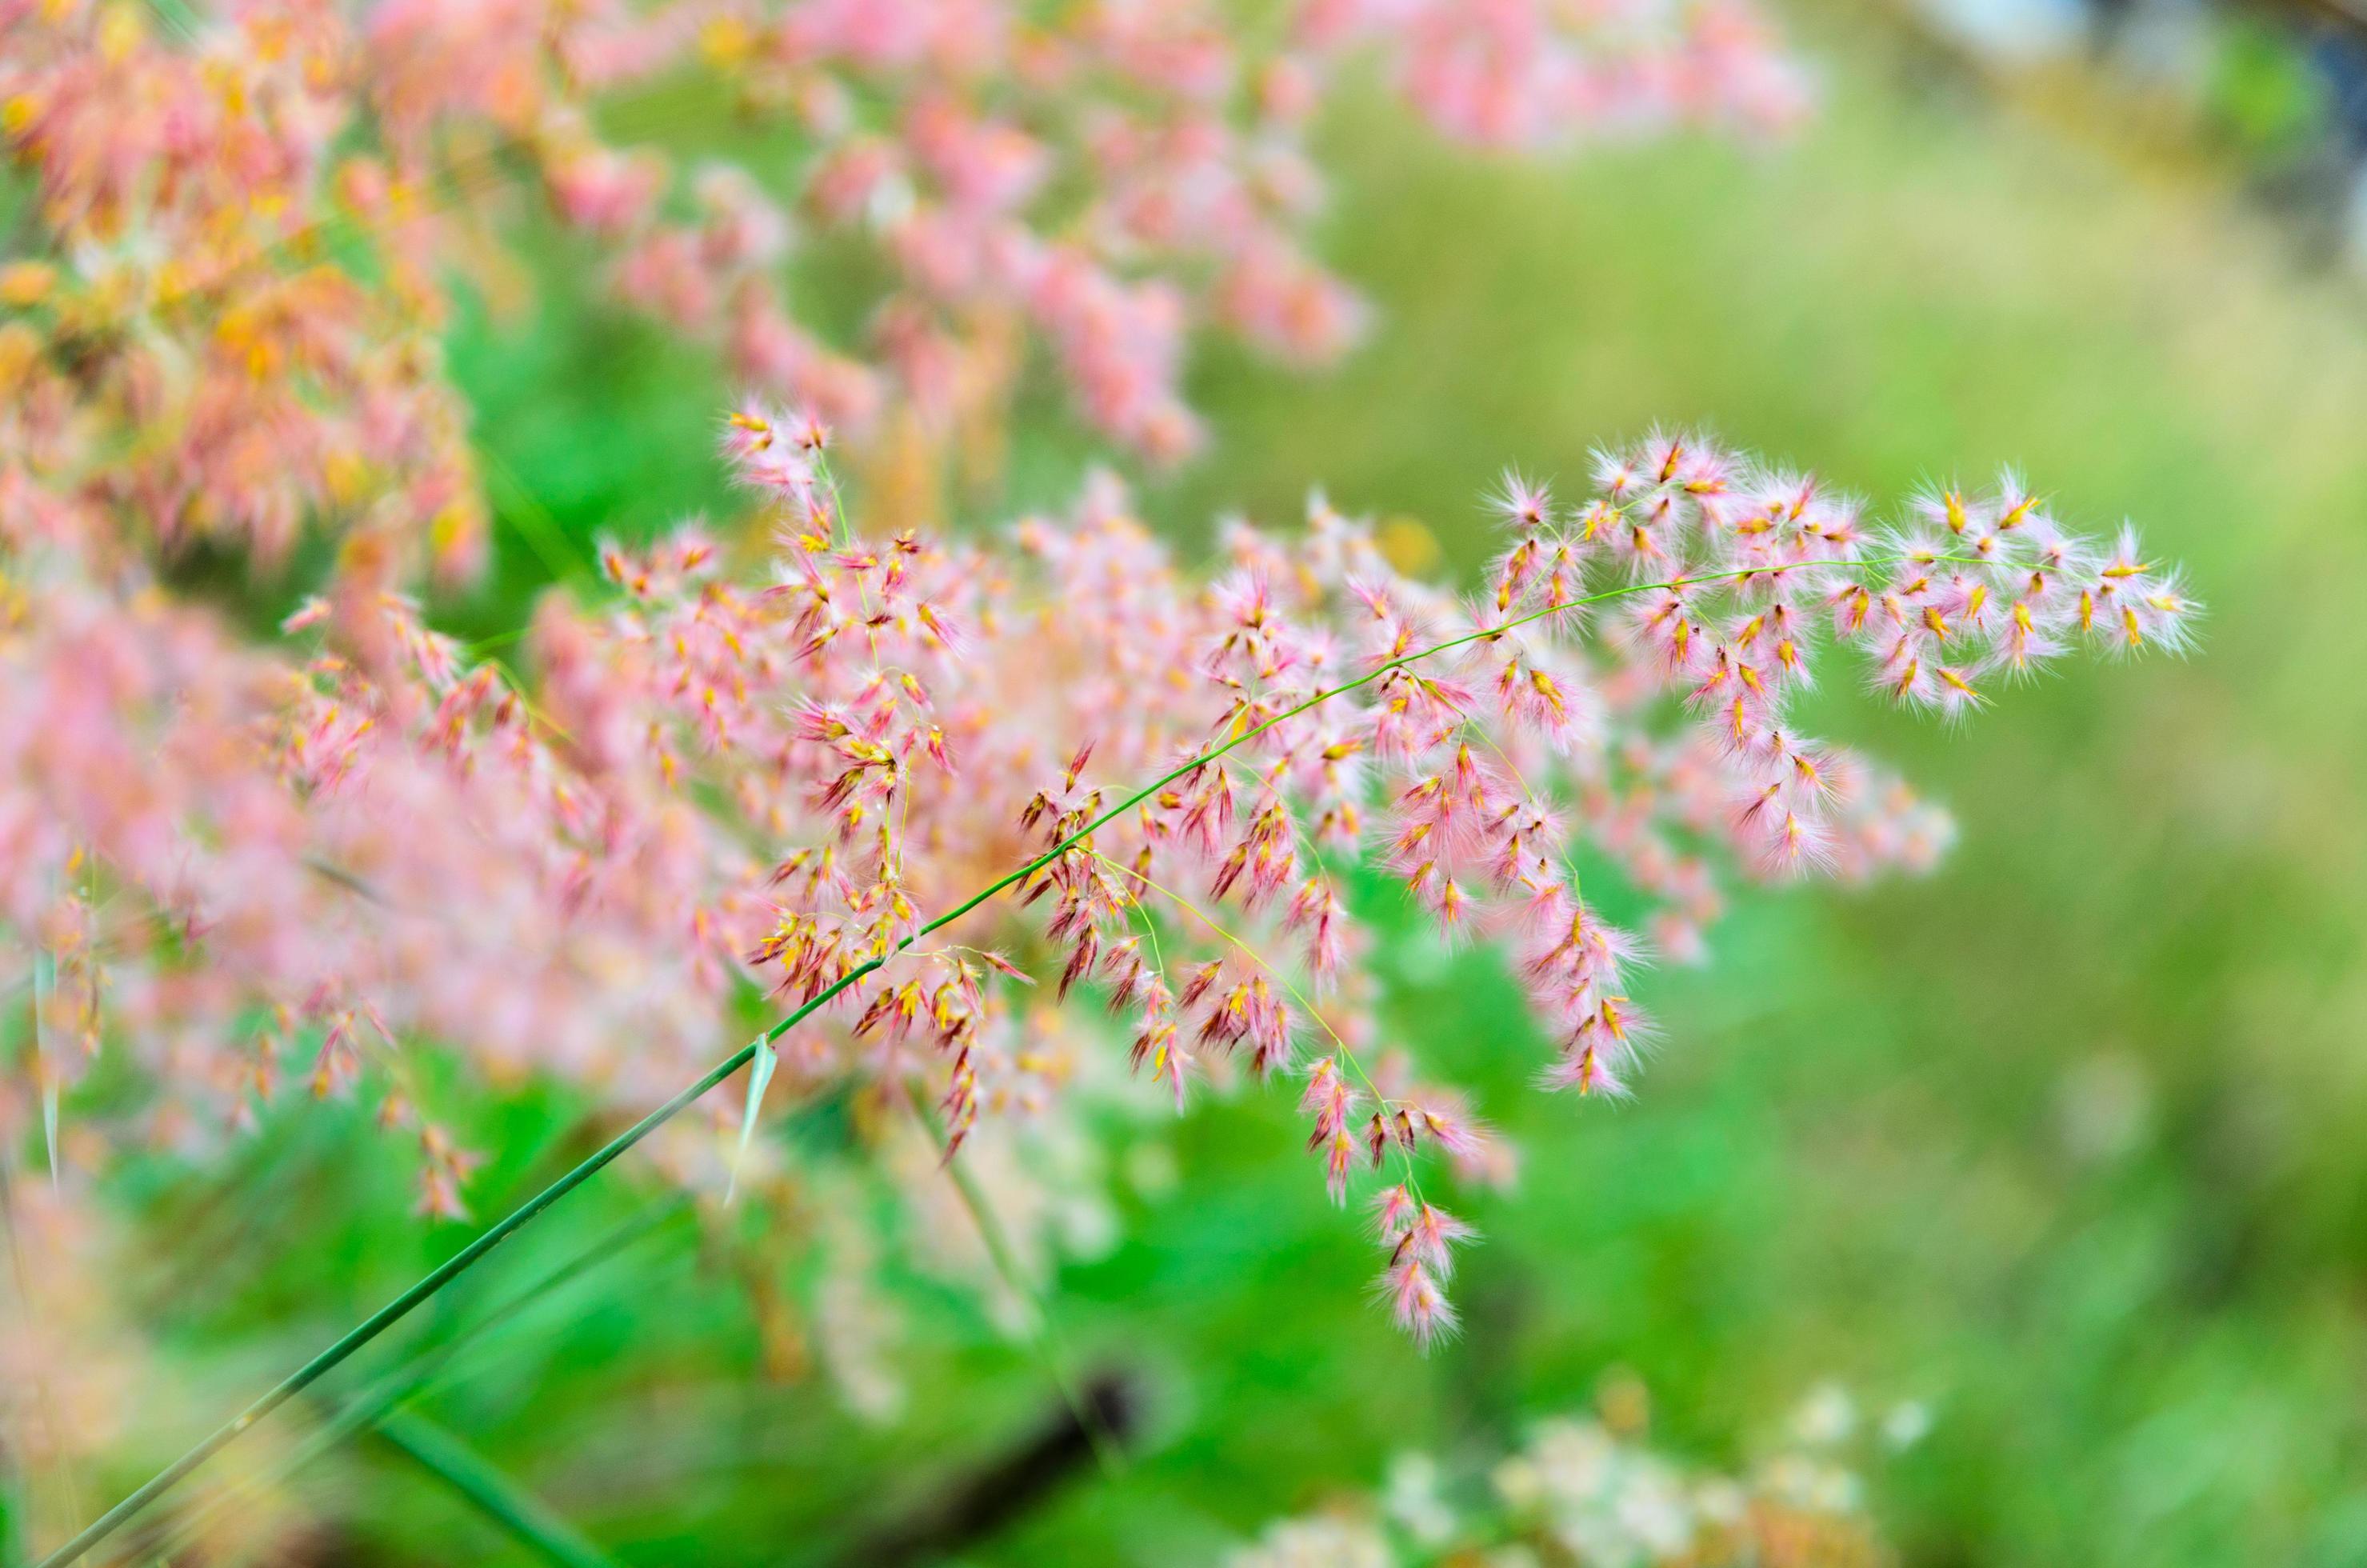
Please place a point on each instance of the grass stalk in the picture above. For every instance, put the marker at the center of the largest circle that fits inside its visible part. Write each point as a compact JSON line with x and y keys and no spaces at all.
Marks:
{"x":1043,"y":1332}
{"x":493,"y":1494}
{"x":413,"y":1377}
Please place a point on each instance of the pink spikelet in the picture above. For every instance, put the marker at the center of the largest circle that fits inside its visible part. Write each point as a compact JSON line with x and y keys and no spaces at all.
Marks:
{"x":1420,"y":1239}
{"x":1333,"y":1105}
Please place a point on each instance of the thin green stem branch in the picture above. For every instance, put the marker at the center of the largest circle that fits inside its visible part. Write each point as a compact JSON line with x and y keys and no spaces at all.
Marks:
{"x":469,"y":1256}
{"x":386,"y":1317}
{"x":495,"y":1495}
{"x":1043,"y":1331}
{"x":413,"y":1377}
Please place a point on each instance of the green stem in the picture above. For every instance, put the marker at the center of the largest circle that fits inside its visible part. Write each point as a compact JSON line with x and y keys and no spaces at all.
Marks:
{"x":365,"y":1409}
{"x":1042,"y":1332}
{"x":467,"y":1258}
{"x":453,"y":1462}
{"x":395,"y":1311}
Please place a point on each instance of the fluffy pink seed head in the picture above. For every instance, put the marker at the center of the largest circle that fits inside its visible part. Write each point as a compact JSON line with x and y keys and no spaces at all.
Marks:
{"x":1418,"y":1302}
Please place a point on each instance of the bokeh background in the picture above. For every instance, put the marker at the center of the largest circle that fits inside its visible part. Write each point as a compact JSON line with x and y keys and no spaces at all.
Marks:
{"x":2064,"y":1141}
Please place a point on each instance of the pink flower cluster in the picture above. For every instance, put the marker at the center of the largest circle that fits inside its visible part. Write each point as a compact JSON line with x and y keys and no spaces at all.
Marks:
{"x":254,"y":221}
{"x":1532,"y":74}
{"x":186,"y":350}
{"x":218,"y":852}
{"x":1113,"y":179}
{"x":225,"y":856}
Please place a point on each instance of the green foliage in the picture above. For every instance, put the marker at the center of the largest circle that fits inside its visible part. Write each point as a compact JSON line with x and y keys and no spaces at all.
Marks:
{"x":2261,"y":90}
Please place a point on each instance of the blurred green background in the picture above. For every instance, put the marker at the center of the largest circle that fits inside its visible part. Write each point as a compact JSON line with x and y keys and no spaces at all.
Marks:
{"x":2064,"y":1141}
